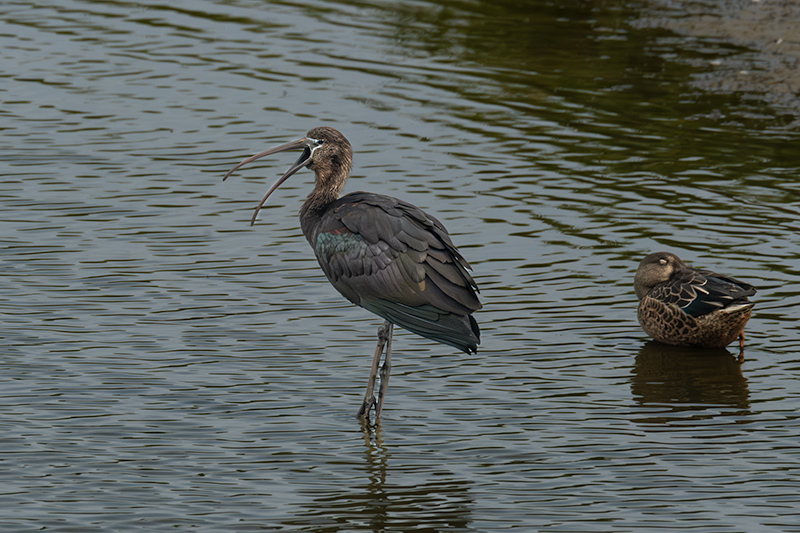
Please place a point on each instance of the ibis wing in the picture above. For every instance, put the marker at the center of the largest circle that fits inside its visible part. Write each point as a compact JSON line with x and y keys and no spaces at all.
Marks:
{"x":378,"y":247}
{"x":397,"y":261}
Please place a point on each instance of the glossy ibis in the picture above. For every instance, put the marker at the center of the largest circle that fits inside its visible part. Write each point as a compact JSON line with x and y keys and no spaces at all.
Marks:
{"x":686,"y":306}
{"x":382,"y":254}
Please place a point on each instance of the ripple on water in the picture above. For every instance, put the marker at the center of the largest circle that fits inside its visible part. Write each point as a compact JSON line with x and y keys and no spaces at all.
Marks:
{"x":166,"y":365}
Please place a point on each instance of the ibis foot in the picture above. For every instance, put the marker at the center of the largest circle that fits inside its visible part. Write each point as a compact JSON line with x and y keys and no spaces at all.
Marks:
{"x":366,"y":405}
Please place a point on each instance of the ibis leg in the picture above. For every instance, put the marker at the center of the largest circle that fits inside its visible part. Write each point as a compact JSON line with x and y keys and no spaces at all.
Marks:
{"x":369,"y":396}
{"x":385,"y":369}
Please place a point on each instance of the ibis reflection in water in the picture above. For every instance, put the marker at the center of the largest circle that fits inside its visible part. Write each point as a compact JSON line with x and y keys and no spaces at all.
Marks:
{"x":382,"y":254}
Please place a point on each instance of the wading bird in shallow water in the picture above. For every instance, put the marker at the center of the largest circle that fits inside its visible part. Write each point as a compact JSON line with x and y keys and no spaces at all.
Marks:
{"x":382,"y":254}
{"x":686,"y":306}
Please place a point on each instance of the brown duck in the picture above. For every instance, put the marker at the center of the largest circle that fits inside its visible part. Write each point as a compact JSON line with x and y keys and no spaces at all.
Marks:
{"x":685,"y":306}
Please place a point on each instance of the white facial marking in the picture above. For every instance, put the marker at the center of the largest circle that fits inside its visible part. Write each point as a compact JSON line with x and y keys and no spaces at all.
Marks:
{"x":317,"y":144}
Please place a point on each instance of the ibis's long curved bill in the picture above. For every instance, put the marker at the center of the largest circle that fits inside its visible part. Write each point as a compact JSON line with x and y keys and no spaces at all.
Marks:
{"x":300,"y":144}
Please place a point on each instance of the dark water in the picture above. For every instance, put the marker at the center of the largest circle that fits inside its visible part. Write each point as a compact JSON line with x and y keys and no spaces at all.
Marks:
{"x":167,"y":367}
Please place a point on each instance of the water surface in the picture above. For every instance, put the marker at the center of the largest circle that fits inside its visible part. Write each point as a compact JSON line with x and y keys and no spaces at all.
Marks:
{"x":165,"y":365}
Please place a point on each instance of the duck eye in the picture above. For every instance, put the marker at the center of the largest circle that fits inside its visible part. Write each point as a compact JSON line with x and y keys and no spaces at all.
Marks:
{"x":662,"y":261}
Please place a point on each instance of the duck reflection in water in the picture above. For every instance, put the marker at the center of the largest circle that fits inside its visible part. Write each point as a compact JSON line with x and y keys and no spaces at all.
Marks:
{"x":700,"y":381}
{"x":685,"y":306}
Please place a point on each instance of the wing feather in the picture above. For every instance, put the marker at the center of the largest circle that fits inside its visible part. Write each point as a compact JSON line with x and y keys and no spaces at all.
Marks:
{"x":395,"y":260}
{"x":699,"y":292}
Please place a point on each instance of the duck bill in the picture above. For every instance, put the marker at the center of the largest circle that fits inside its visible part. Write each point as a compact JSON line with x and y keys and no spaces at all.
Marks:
{"x":303,"y":160}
